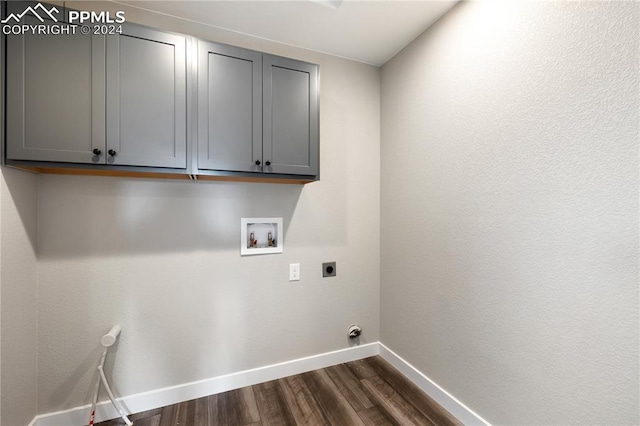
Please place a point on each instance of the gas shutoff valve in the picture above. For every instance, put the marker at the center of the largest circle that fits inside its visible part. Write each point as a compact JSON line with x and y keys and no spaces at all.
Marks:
{"x":354,"y":332}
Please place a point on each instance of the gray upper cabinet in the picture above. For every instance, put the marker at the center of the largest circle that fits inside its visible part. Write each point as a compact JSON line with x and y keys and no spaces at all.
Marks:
{"x":116,"y":99}
{"x":146,"y":98}
{"x":229,"y":108}
{"x":290,"y":114}
{"x":256,"y":113}
{"x":55,"y":95}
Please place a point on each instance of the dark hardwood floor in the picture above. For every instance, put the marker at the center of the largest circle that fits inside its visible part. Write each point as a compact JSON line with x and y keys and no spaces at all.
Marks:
{"x":365,"y":392}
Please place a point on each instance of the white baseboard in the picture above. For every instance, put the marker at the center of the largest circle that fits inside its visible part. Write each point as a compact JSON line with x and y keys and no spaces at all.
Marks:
{"x":172,"y":395}
{"x":431,"y":388}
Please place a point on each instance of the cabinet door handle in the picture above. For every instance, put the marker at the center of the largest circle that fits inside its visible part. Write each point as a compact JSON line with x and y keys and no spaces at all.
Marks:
{"x":258,"y":162}
{"x":96,"y":151}
{"x":112,"y":153}
{"x":268,"y":163}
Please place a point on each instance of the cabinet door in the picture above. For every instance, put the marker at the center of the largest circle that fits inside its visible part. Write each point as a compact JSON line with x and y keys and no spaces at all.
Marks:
{"x":146,"y":98}
{"x":229,"y":108}
{"x":55,"y":95}
{"x":290,"y":142}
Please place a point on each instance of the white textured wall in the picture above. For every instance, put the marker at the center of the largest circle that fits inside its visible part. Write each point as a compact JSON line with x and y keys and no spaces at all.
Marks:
{"x":510,"y":209}
{"x":18,"y":280}
{"x":162,"y":258}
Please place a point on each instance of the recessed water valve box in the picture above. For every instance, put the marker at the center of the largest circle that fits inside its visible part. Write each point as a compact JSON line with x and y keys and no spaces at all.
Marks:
{"x":329,"y":269}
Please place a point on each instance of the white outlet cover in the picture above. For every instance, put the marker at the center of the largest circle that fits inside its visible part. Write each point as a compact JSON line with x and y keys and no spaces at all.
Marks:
{"x":294,"y":272}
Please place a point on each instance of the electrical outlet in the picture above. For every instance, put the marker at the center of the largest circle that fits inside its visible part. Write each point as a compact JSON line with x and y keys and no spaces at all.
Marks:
{"x":294,"y":272}
{"x":329,"y":269}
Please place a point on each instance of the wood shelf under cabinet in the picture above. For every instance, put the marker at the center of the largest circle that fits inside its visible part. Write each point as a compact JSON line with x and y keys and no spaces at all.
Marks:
{"x":297,"y":180}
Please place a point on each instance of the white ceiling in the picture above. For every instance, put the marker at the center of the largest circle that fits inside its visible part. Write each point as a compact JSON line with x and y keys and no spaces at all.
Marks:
{"x":366,"y":31}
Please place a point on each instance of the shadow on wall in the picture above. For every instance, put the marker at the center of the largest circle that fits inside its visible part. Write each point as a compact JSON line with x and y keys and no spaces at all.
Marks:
{"x":113,"y":216}
{"x":15,"y":183}
{"x":88,"y":365}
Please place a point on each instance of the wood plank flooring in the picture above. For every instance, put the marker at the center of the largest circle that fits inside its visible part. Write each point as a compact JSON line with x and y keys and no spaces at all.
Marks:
{"x":367,"y":392}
